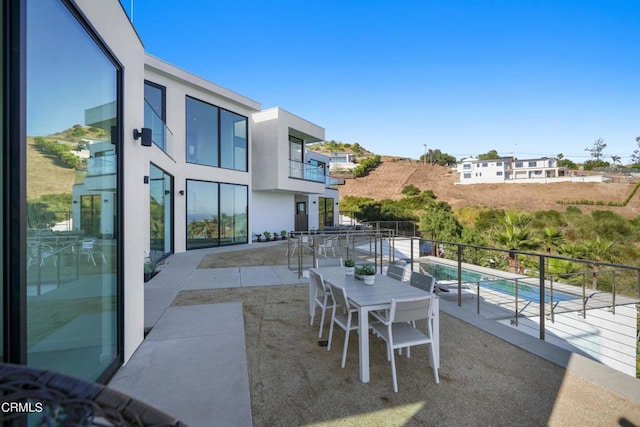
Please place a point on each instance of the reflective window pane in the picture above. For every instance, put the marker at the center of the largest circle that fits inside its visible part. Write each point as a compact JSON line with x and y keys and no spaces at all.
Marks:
{"x":233,"y":214}
{"x":202,"y":133}
{"x":233,"y":140}
{"x":154,"y":113}
{"x":160,"y":212}
{"x":202,"y":214}
{"x":72,"y":196}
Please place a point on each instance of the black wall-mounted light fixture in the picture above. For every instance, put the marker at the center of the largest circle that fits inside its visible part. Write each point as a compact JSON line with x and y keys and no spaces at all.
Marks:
{"x":145,"y":134}
{"x":182,"y":192}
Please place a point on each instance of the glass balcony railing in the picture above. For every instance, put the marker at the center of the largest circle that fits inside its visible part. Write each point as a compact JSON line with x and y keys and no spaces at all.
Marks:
{"x":306,"y":171}
{"x":333,"y":182}
{"x":160,"y":133}
{"x":103,"y":165}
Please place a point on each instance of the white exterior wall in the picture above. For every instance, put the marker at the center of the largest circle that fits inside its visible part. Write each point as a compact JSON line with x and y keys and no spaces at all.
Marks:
{"x":482,"y":174}
{"x":271,"y":212}
{"x":179,"y":84}
{"x":270,"y":144}
{"x":113,"y":26}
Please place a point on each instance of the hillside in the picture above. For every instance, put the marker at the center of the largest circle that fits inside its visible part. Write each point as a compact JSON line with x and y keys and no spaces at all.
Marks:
{"x":388,"y":179}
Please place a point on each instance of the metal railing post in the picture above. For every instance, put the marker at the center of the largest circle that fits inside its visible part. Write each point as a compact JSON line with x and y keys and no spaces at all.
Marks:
{"x":459,"y":276}
{"x":515,"y":293}
{"x":542,"y":273}
{"x":613,"y":292}
{"x":584,"y":295}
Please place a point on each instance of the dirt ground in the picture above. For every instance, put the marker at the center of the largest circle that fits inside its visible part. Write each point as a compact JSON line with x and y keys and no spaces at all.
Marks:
{"x":387,"y":181}
{"x":295,"y":382}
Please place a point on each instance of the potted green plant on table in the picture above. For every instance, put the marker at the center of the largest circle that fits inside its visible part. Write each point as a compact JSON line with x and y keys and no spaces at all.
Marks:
{"x":349,"y":266}
{"x":367,"y":273}
{"x":283,"y":234}
{"x":267,"y":236}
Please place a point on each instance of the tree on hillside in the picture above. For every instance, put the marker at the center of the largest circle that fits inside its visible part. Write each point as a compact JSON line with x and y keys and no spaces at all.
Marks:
{"x":514,"y":235}
{"x":552,"y":238}
{"x":438,"y":157}
{"x":597,"y":155}
{"x":439,"y":223}
{"x":635,"y":157}
{"x":597,"y":250}
{"x":489,"y":155}
{"x":615,"y":159}
{"x":566,"y":163}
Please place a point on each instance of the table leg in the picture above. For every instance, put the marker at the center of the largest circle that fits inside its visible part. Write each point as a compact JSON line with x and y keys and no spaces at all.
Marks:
{"x":363,"y":337}
{"x":312,"y":296}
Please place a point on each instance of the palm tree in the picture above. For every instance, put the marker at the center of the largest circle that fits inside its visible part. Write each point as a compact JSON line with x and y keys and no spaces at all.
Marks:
{"x":551,"y":238}
{"x":516,"y":235}
{"x":615,"y":159}
{"x":597,"y":250}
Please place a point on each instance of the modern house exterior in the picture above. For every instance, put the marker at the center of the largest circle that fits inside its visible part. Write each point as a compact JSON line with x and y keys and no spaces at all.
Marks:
{"x":175,"y":163}
{"x":340,"y":162}
{"x":510,"y":170}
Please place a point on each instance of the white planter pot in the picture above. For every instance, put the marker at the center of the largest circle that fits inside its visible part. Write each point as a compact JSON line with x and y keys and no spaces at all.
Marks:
{"x":369,"y":280}
{"x":349,"y":271}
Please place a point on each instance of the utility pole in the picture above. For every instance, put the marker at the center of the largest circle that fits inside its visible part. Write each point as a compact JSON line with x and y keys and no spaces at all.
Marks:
{"x":424,"y":158}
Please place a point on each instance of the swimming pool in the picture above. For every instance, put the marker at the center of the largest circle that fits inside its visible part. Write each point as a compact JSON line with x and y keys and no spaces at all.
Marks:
{"x":494,"y":283}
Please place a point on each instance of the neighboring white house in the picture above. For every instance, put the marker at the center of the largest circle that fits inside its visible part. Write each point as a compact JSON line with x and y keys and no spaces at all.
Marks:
{"x":339,"y":162}
{"x":510,"y":170}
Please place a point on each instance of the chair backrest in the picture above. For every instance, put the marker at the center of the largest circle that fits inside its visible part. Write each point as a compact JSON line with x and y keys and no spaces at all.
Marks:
{"x":395,"y":272}
{"x":328,"y":262}
{"x":423,"y":281}
{"x":87,"y":244}
{"x":409,"y":309}
{"x":318,"y":280}
{"x":339,"y":296}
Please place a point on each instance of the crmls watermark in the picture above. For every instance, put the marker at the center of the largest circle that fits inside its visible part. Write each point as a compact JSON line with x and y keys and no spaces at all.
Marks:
{"x":22,"y":407}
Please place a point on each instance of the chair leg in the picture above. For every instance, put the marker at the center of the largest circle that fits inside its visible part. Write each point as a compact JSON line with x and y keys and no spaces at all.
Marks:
{"x":330,"y":335}
{"x":346,"y":344}
{"x":324,"y":310}
{"x":393,"y":370}
{"x":432,"y":358}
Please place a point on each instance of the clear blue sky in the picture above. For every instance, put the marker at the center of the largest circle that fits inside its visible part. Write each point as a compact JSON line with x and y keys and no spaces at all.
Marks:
{"x":528,"y":77}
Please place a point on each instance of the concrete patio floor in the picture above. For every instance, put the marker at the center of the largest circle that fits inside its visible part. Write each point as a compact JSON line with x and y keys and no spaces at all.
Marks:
{"x":232,"y":346}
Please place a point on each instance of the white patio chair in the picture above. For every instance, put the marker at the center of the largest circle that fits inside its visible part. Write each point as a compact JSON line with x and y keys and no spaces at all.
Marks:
{"x":87,"y":250}
{"x":343,"y":315}
{"x":423,"y":281}
{"x":396,"y":272}
{"x":399,"y":331}
{"x":322,"y":298}
{"x":41,"y":252}
{"x":328,"y":245}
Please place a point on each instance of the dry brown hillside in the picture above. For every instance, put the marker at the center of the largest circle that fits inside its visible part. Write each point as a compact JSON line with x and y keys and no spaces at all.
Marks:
{"x":388,"y":179}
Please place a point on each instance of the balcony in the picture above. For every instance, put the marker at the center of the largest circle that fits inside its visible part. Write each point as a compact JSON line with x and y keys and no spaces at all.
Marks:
{"x":306,"y":171}
{"x":104,"y":165}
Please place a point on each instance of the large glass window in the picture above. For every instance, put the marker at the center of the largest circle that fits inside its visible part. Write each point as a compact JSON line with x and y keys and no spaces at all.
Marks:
{"x":2,"y":148}
{"x":72,"y":195}
{"x":233,"y":141}
{"x":216,"y":214}
{"x":233,"y":214}
{"x":215,"y":137}
{"x":202,"y":133}
{"x":155,"y":115}
{"x":160,"y":212}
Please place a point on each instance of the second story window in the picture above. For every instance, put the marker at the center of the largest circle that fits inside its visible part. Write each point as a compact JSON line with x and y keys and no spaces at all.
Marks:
{"x":518,"y":164}
{"x":533,"y":164}
{"x":155,"y":112}
{"x":215,"y":137}
{"x":296,"y":165}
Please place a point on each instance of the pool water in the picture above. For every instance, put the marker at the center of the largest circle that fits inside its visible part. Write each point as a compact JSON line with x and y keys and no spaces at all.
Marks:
{"x":497,"y":284}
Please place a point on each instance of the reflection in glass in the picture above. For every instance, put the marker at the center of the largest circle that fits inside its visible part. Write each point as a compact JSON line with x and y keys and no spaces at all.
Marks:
{"x":233,"y":141}
{"x":233,"y":213}
{"x":2,"y":101}
{"x":160,"y":208}
{"x":202,"y":133}
{"x":72,"y":196}
{"x":155,"y":113}
{"x":213,"y":224}
{"x":202,"y":214}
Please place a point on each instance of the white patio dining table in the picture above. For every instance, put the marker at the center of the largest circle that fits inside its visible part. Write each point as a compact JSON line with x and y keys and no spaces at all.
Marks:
{"x":369,"y":298}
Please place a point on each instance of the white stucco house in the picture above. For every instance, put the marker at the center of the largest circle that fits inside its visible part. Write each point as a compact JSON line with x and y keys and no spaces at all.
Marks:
{"x":510,"y":170}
